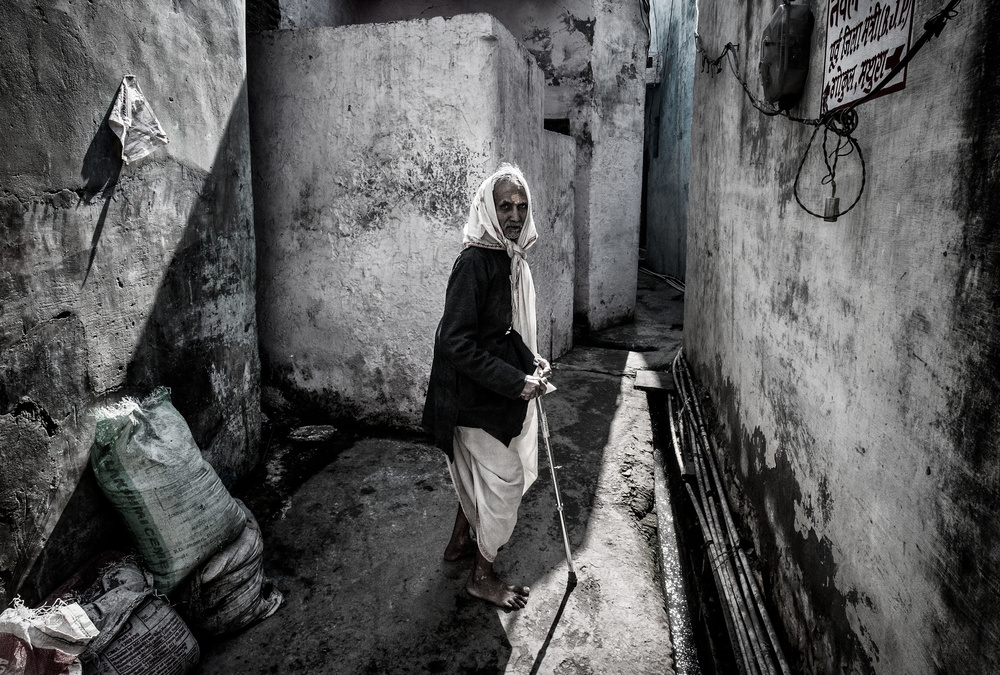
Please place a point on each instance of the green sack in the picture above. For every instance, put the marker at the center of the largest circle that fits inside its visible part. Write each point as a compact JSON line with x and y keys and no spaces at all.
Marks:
{"x":175,"y":506}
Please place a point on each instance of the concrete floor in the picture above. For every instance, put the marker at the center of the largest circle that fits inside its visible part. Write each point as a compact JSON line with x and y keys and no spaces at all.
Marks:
{"x":354,"y":538}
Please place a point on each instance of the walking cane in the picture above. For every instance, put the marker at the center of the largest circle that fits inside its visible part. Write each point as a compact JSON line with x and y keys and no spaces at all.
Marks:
{"x":555,"y":484}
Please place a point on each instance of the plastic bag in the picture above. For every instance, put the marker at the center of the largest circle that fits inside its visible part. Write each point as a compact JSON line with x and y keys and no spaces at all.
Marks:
{"x":134,"y":123}
{"x":44,"y":641}
{"x":175,"y":506}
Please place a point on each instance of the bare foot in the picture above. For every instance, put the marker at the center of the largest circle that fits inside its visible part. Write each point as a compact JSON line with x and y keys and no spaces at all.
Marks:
{"x":461,"y":544}
{"x":484,"y":584}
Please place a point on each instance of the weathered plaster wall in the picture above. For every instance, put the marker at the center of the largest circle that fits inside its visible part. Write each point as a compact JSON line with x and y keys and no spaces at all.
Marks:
{"x":854,"y":364}
{"x":597,"y":87}
{"x":312,"y":13}
{"x":669,"y":120}
{"x":369,"y":142}
{"x":611,"y":245}
{"x":552,"y":260}
{"x":117,"y":278}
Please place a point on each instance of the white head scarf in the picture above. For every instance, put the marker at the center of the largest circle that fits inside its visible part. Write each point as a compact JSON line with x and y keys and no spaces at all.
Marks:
{"x":483,"y":229}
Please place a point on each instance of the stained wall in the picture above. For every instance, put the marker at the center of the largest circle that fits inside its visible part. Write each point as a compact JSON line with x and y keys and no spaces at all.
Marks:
{"x":592,"y":55}
{"x":609,"y":245}
{"x":369,"y":141}
{"x":854,"y":363}
{"x":115,"y":278}
{"x":312,"y":13}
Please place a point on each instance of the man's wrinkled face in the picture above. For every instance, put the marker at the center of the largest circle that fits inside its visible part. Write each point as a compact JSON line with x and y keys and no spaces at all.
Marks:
{"x":512,"y":208}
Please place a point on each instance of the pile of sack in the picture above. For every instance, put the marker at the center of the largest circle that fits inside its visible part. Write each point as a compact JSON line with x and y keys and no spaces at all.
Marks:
{"x":199,"y":569}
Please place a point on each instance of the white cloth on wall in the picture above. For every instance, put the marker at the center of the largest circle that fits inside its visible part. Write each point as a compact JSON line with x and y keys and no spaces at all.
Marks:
{"x":134,"y":123}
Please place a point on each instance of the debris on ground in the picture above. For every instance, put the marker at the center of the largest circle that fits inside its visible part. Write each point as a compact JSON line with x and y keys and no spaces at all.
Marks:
{"x":315,"y":433}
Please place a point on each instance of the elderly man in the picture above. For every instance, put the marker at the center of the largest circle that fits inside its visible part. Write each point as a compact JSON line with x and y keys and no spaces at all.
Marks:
{"x":486,"y":370}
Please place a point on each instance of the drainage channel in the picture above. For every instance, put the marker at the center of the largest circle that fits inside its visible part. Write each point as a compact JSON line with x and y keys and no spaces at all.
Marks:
{"x":697,"y":627}
{"x":711,"y":632}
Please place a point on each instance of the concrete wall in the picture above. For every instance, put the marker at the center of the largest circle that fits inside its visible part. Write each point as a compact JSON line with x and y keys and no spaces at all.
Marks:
{"x":854,"y":364}
{"x":312,"y":13}
{"x":595,"y":84}
{"x":669,"y":125}
{"x":369,"y":142}
{"x":610,"y":247}
{"x":553,"y":258}
{"x":117,"y":278}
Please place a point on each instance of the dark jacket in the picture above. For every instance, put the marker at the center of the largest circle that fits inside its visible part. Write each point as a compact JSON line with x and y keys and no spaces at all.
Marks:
{"x":479,"y":361}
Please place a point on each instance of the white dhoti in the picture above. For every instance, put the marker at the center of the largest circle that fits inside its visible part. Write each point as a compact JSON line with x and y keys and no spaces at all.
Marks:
{"x":490,"y":479}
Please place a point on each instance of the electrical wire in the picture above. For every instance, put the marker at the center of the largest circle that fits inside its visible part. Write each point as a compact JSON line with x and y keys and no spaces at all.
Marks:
{"x":845,"y":139}
{"x":842,"y":122}
{"x":673,"y":282}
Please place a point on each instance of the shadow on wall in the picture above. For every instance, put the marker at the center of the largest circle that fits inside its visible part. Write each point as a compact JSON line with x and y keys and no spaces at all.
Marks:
{"x":201,"y":336}
{"x":200,"y":339}
{"x":102,"y":166}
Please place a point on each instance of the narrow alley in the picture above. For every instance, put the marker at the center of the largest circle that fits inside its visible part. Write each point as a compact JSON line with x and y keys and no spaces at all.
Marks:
{"x":264,"y":264}
{"x":357,"y":548}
